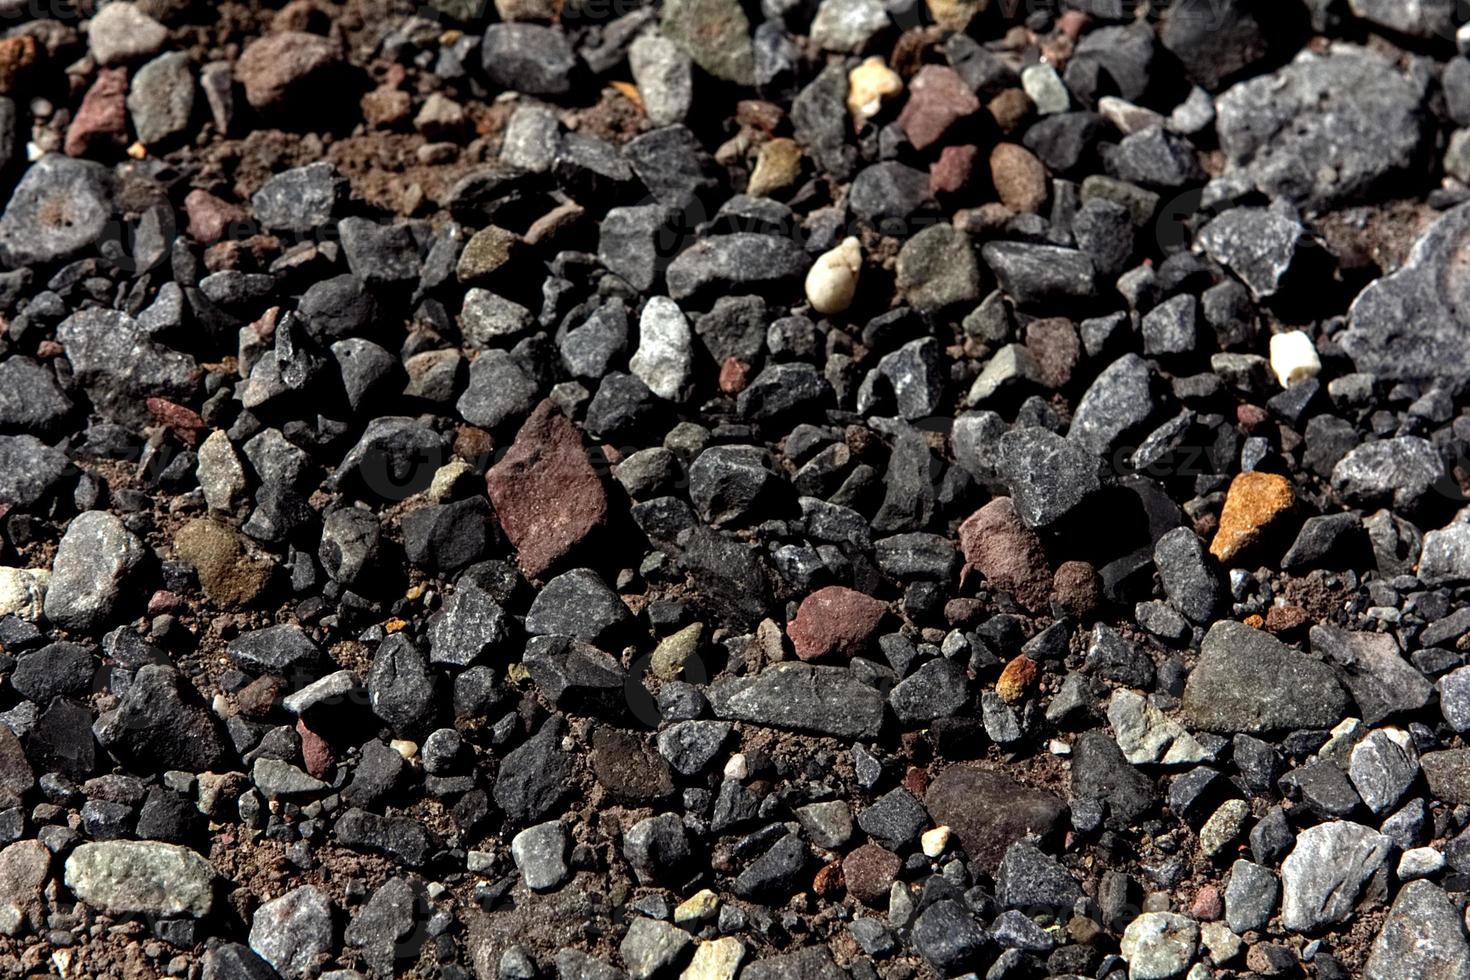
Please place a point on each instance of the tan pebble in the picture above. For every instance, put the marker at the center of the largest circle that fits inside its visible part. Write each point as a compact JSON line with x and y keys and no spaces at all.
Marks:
{"x":1019,"y":178}
{"x":868,"y":85}
{"x":776,"y":168}
{"x":935,"y":841}
{"x":833,"y":278}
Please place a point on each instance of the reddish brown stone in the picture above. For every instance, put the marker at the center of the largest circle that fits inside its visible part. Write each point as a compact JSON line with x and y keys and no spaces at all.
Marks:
{"x":274,"y":67}
{"x":210,"y":218}
{"x":1285,"y":619}
{"x":870,"y":872}
{"x":185,"y":422}
{"x":964,"y":612}
{"x":835,"y":620}
{"x":1054,"y":347}
{"x":954,"y":171}
{"x":938,"y":98}
{"x":1251,"y":417}
{"x":1007,"y":553}
{"x":989,"y":811}
{"x":1016,"y":679}
{"x":734,"y":375}
{"x":1010,"y":109}
{"x":256,"y":699}
{"x":828,"y":882}
{"x":315,"y":751}
{"x":547,"y":495}
{"x":1077,"y":589}
{"x":1207,"y":905}
{"x":164,"y":601}
{"x":102,"y":118}
{"x":1019,"y":178}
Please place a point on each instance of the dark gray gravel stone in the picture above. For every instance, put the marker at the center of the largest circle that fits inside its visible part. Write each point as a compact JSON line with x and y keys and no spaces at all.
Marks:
{"x":61,"y":207}
{"x":805,"y":697}
{"x":1325,"y":129}
{"x":31,"y":402}
{"x":1049,"y":477}
{"x":528,"y":58}
{"x":1249,"y":681}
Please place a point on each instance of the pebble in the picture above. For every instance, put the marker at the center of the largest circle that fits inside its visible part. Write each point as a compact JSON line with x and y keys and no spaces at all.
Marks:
{"x":292,"y":931}
{"x":1260,"y":245}
{"x":1420,"y":862}
{"x":805,"y":697}
{"x":1045,"y":89}
{"x":1406,"y":326}
{"x":936,"y":269}
{"x":716,"y":959}
{"x":835,"y":621}
{"x":938,"y":100}
{"x":1019,"y":178}
{"x":154,"y":878}
{"x":538,"y":853}
{"x":121,"y":33}
{"x":1325,"y":873}
{"x":277,"y":69}
{"x":846,"y":26}
{"x":161,"y":98}
{"x":1159,"y":945}
{"x":988,"y":811}
{"x":1454,"y":698}
{"x":1322,"y":100}
{"x":777,"y":167}
{"x":833,"y":278}
{"x":1422,"y":936}
{"x":1250,"y":897}
{"x":664,"y":359}
{"x":95,"y":562}
{"x":662,"y":73}
{"x":1294,"y":357}
{"x":716,"y":34}
{"x":59,"y":208}
{"x":528,"y":58}
{"x":101,"y":122}
{"x":23,"y":592}
{"x":1248,"y":681}
{"x":1254,"y":504}
{"x":869,"y":86}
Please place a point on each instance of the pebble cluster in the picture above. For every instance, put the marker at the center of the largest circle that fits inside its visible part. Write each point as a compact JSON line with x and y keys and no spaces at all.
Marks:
{"x":807,"y":490}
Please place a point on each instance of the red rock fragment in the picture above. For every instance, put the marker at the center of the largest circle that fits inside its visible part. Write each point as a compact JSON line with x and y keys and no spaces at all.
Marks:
{"x":870,"y":871}
{"x":547,"y":495}
{"x":1007,"y":553}
{"x":835,"y":620}
{"x":210,"y":218}
{"x":954,"y":171}
{"x":102,"y":118}
{"x":315,"y":751}
{"x":938,"y":98}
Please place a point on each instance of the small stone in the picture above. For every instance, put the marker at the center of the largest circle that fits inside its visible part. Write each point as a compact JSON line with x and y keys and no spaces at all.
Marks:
{"x":1422,"y":936}
{"x":777,"y":167}
{"x":161,"y":98}
{"x":292,"y":931}
{"x":938,"y":100}
{"x":1248,"y":681}
{"x":1420,"y":862}
{"x":1045,"y":88}
{"x":1323,"y":876}
{"x":835,"y":620}
{"x":805,"y":697}
{"x":1402,"y":471}
{"x":833,"y":278}
{"x":1019,"y":178}
{"x":662,"y":73}
{"x":664,"y":358}
{"x":988,"y":811}
{"x":869,"y":872}
{"x":120,"y":33}
{"x":652,"y":946}
{"x":1254,"y":503}
{"x":933,"y":842}
{"x":539,"y":855}
{"x":717,"y":959}
{"x":59,"y":208}
{"x":716,"y":34}
{"x":528,"y":58}
{"x":95,"y":563}
{"x":1250,"y":897}
{"x":1050,"y":478}
{"x":937,"y":269}
{"x":278,"y":68}
{"x":229,"y":576}
{"x":1146,"y":735}
{"x":23,"y":592}
{"x":1159,"y":945}
{"x":102,"y":118}
{"x":121,"y":876}
{"x":869,"y":85}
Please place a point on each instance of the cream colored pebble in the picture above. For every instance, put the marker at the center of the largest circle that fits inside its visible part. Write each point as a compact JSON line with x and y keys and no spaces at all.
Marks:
{"x":935,"y":841}
{"x":23,"y":592}
{"x":868,"y":85}
{"x":833,"y":278}
{"x":1294,"y":357}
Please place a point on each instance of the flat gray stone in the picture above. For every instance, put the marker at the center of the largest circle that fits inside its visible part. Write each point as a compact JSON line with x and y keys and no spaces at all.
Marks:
{"x":151,"y":877}
{"x":1249,"y":681}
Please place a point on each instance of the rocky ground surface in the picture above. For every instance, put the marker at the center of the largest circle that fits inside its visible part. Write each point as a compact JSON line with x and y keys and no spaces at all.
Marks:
{"x":787,"y":490}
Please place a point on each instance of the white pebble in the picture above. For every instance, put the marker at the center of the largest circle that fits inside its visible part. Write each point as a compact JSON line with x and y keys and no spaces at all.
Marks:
{"x":737,"y":768}
{"x":935,"y":841}
{"x":404,"y":748}
{"x":1294,"y":357}
{"x":833,"y":278}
